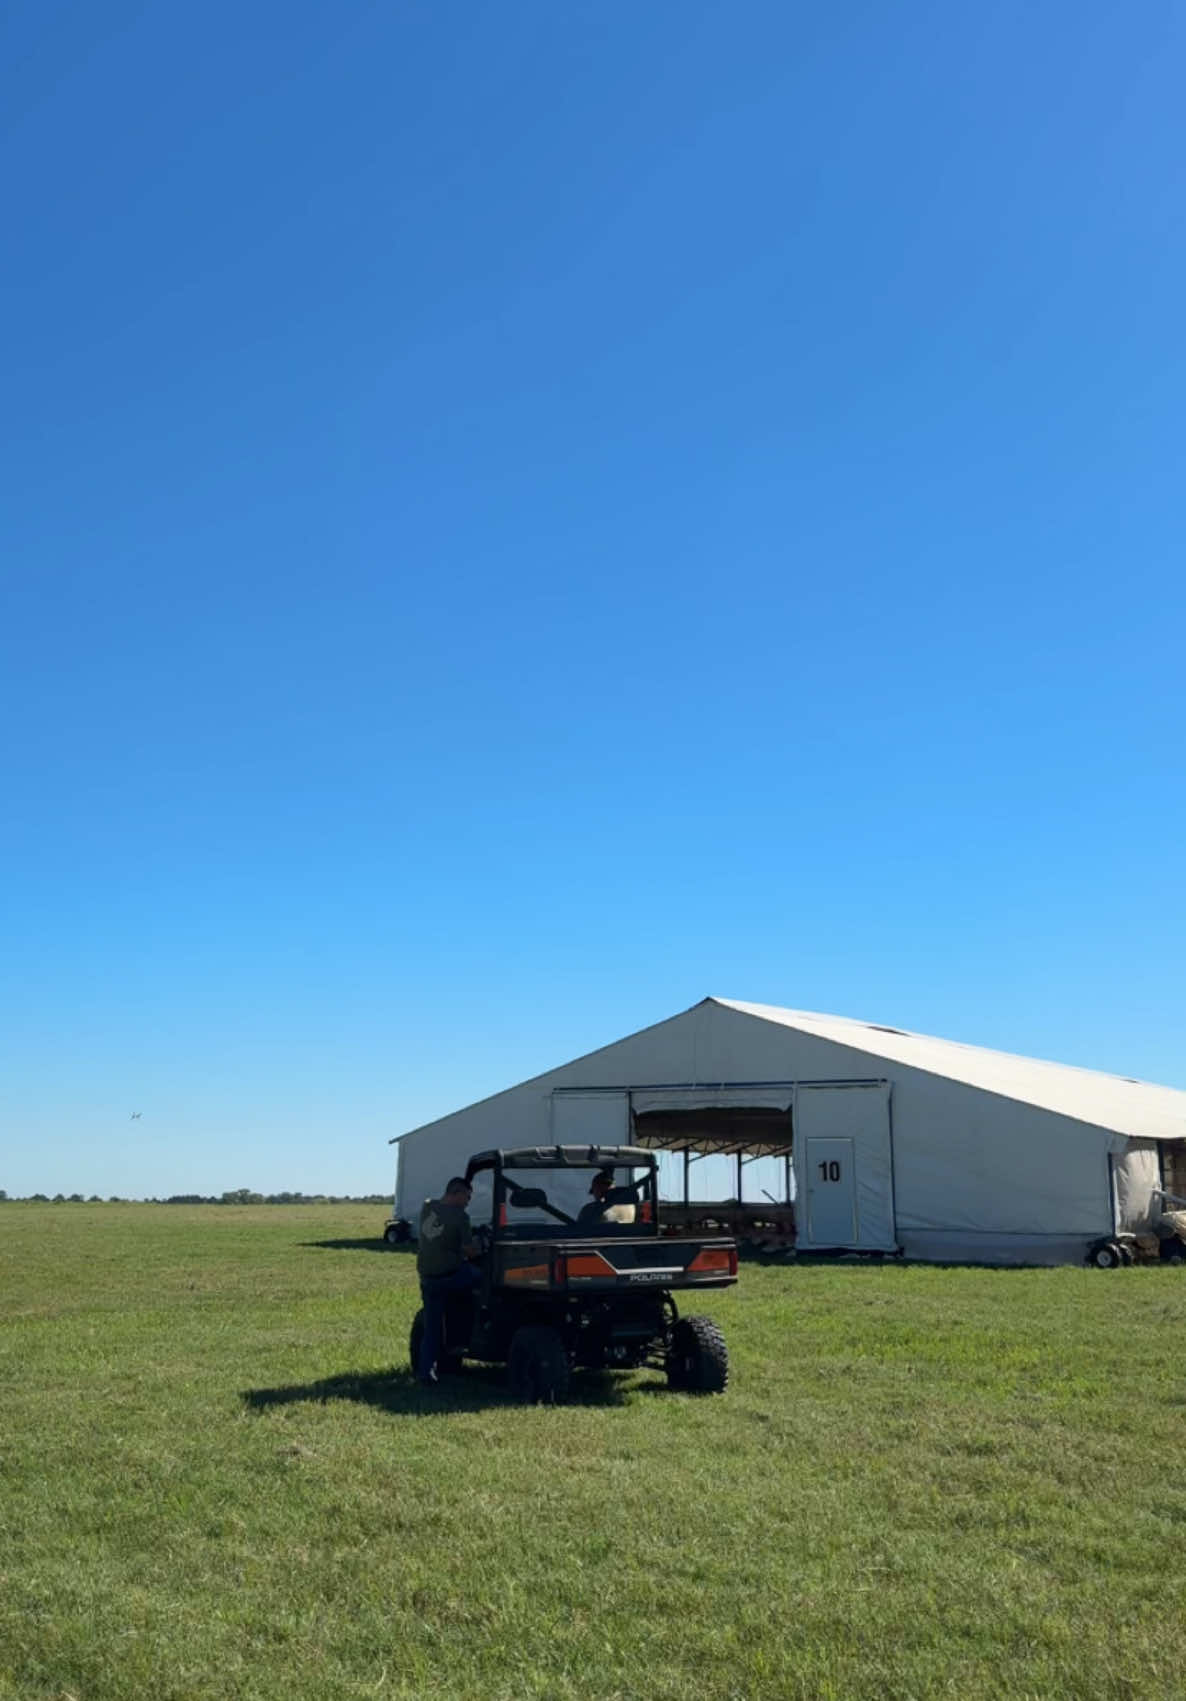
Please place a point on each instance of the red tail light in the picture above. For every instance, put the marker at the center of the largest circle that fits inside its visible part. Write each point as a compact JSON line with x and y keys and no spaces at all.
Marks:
{"x":719,"y":1259}
{"x":584,"y":1264}
{"x":645,"y":1214}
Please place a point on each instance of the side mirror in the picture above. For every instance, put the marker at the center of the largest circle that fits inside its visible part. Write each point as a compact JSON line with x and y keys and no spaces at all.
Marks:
{"x":527,"y":1198}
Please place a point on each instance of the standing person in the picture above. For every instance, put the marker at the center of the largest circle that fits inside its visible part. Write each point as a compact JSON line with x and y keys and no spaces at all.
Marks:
{"x":446,"y":1241}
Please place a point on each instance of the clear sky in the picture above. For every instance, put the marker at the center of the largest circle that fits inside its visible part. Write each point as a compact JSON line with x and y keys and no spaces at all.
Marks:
{"x":520,"y":516}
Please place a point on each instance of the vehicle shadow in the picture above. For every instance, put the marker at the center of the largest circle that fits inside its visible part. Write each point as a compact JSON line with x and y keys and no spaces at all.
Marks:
{"x":472,"y":1388}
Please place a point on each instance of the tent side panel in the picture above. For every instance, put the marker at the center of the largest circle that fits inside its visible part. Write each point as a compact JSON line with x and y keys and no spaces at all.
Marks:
{"x":972,"y":1165}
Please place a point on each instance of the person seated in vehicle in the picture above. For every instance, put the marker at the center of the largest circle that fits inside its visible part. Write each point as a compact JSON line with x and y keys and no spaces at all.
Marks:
{"x":609,"y":1204}
{"x":445,"y":1244}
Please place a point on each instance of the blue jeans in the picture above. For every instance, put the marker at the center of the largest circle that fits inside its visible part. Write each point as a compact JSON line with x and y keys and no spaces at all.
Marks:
{"x":434,"y":1291}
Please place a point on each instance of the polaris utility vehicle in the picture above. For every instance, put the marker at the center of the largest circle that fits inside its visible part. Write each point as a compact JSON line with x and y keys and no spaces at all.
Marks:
{"x":576,"y":1274}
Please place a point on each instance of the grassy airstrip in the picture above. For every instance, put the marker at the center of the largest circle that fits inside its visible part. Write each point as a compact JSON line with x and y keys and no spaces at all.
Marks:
{"x":217,"y":1480}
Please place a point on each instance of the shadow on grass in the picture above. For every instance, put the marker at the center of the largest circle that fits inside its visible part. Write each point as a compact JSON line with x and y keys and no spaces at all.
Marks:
{"x":378,"y":1245}
{"x":473,"y":1388}
{"x":844,"y":1259}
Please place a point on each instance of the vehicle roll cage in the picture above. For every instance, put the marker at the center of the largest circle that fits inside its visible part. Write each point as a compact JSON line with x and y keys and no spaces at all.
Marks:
{"x":566,"y":1158}
{"x":561,"y":1157}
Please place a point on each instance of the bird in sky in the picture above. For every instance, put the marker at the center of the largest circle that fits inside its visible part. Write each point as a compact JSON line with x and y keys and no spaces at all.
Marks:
{"x":135,"y":1116}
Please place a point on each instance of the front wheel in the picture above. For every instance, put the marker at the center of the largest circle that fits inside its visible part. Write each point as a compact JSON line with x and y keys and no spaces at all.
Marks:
{"x":698,"y":1362}
{"x":1106,"y":1256}
{"x":538,"y":1366}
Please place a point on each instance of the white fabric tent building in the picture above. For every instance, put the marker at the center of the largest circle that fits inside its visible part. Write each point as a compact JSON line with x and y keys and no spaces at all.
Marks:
{"x":887,"y":1141}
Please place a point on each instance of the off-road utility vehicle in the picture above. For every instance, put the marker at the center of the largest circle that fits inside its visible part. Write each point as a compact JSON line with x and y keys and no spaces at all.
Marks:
{"x":576,"y":1274}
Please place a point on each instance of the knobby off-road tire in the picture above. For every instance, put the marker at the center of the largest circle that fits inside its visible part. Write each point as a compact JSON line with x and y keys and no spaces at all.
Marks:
{"x":698,"y":1362}
{"x":447,"y":1365}
{"x":537,"y":1366}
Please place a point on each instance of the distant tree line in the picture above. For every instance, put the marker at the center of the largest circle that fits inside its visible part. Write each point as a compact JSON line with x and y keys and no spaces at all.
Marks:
{"x":236,"y":1196}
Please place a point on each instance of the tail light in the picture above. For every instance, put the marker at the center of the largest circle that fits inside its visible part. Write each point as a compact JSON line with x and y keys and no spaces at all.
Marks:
{"x":721,"y":1260}
{"x":583,"y":1265}
{"x":502,"y":1216}
{"x":645,"y":1214}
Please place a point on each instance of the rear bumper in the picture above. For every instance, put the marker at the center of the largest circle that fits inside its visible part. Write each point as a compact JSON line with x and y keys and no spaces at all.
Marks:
{"x":614,"y":1266}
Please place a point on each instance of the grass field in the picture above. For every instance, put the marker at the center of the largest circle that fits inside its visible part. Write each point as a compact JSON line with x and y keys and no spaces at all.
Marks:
{"x":217,"y":1480}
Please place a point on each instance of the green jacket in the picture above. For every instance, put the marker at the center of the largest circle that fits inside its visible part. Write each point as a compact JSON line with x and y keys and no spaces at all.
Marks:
{"x":444,"y":1234}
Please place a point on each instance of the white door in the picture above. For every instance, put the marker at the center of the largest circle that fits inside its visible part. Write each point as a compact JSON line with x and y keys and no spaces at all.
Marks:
{"x":850,"y":1201}
{"x":831,"y":1193}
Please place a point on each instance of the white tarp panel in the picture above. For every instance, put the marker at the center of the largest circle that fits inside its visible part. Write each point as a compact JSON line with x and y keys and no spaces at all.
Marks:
{"x":711,"y":1098}
{"x":970,"y":1164}
{"x":826,"y":1118}
{"x":590,"y":1119}
{"x":1135,"y":1173}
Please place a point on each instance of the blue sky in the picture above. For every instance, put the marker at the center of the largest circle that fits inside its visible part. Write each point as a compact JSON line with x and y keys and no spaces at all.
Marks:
{"x":519,"y":517}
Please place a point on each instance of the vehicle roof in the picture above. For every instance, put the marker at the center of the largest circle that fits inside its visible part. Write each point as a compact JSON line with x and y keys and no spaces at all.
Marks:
{"x":561,"y":1157}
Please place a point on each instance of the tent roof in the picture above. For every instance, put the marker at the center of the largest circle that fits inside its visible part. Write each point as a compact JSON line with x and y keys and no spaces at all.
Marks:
{"x":1117,"y":1102}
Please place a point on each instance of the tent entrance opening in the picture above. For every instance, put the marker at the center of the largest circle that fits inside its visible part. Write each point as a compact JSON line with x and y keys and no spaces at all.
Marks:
{"x":727,"y":1166}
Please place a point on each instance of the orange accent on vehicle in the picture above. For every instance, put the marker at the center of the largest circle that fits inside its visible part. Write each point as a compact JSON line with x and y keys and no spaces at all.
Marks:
{"x":526,"y":1273}
{"x":645,"y":1214}
{"x":723,"y":1258}
{"x":586,"y":1265}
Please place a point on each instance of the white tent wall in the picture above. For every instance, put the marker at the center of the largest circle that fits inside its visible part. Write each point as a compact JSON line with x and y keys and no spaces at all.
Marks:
{"x":975,"y":1175}
{"x":983,"y":1177}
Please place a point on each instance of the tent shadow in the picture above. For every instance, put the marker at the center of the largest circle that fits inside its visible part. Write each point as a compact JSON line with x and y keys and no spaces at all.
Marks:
{"x":377,"y":1245}
{"x":473,"y":1388}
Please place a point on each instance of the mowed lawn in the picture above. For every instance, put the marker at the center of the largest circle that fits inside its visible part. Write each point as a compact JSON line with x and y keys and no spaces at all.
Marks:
{"x":217,"y":1480}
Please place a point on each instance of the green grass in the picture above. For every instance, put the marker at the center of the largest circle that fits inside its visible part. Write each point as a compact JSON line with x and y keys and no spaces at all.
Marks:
{"x":216,"y":1481}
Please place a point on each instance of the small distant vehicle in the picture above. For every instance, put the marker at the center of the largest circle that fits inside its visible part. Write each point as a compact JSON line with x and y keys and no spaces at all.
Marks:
{"x":1165,"y":1241}
{"x":595,"y":1289}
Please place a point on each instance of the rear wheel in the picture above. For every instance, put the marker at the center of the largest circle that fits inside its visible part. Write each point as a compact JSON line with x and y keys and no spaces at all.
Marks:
{"x":698,"y":1362}
{"x":1173,"y":1251}
{"x":538,"y":1366}
{"x":395,"y":1234}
